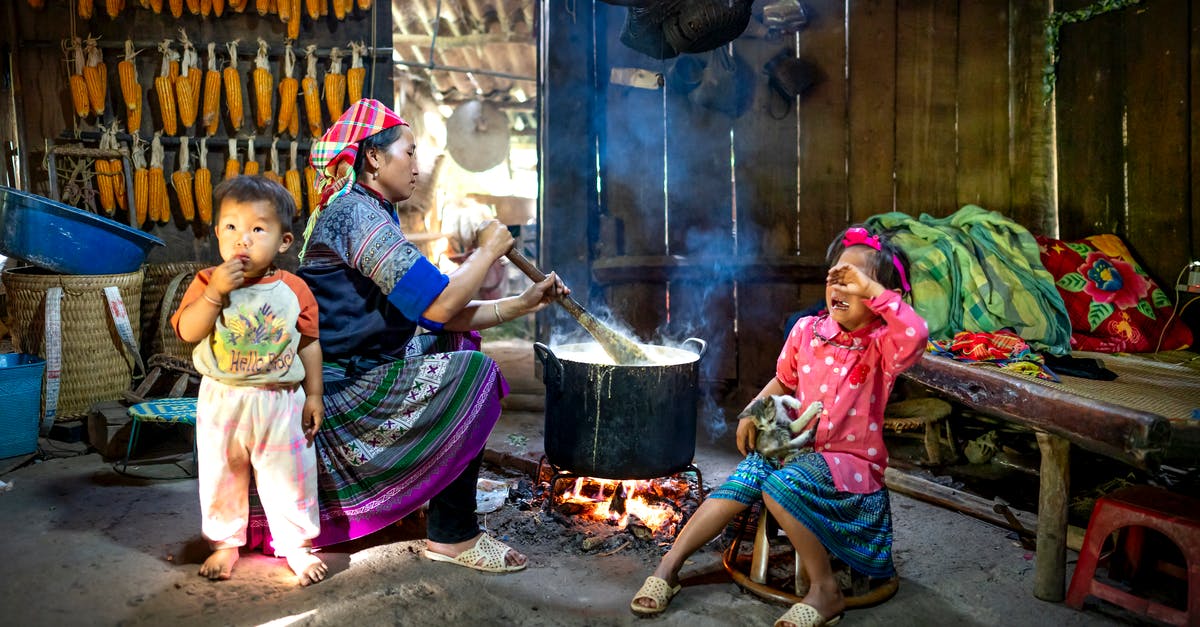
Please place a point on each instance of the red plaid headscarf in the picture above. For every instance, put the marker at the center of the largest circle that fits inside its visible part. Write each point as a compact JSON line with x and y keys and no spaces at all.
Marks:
{"x":333,"y":155}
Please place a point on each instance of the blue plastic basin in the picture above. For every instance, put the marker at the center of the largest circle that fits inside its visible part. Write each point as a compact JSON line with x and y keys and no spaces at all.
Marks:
{"x":64,"y":239}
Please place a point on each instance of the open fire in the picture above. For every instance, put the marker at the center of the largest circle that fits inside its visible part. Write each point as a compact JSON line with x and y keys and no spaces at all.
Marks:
{"x":656,"y":505}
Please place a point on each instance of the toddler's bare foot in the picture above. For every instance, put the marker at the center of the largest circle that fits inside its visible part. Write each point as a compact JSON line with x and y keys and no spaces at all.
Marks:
{"x":308,"y":567}
{"x":219,"y":565}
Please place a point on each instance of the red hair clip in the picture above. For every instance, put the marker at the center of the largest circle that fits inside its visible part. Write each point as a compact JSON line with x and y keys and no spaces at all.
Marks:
{"x":858,"y":236}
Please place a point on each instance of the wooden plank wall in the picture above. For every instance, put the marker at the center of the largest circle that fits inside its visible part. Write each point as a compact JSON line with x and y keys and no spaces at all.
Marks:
{"x":921,"y":107}
{"x":47,"y":111}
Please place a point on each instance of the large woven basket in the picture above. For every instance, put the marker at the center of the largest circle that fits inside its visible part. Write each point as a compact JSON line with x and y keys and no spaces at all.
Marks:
{"x":95,"y":364}
{"x":163,"y":280}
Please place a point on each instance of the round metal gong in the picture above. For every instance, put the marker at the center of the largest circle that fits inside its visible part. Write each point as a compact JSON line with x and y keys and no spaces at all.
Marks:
{"x":477,"y":136}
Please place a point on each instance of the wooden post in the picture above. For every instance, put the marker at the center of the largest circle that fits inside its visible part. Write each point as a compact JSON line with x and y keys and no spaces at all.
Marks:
{"x":1049,"y":581}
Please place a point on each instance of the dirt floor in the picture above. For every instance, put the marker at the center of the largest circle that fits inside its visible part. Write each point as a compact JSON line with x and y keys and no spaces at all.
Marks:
{"x":84,"y":545}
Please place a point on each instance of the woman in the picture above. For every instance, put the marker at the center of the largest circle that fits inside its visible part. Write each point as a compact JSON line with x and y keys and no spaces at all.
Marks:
{"x":406,"y":416}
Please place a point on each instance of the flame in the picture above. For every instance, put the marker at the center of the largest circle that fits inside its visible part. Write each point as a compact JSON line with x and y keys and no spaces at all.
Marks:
{"x":597,"y":497}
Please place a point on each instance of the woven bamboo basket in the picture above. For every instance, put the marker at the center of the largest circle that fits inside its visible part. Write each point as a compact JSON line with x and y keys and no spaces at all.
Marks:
{"x":95,"y":364}
{"x":156,"y":335}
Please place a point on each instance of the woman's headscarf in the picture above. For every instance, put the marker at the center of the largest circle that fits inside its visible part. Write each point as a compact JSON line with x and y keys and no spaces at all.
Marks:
{"x":333,"y":155}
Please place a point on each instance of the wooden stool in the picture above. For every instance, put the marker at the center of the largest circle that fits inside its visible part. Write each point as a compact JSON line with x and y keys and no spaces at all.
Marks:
{"x":1130,"y":511}
{"x":859,"y":591}
{"x":928,"y":412}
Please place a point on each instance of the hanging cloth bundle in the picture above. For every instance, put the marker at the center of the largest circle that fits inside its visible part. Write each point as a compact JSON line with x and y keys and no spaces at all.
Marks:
{"x":703,"y":25}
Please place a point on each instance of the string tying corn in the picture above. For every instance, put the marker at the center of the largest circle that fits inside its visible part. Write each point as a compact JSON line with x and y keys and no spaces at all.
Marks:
{"x":312,"y":98}
{"x":233,"y":90}
{"x":203,"y":185}
{"x":263,"y":85}
{"x":251,"y":168}
{"x":233,"y":167}
{"x":131,"y":89}
{"x":187,"y":87}
{"x":335,"y":84}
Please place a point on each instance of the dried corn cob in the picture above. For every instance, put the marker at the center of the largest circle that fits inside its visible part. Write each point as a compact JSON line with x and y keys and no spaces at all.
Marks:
{"x":314,"y":8}
{"x":104,"y":183}
{"x":85,"y":8}
{"x":310,"y":187}
{"x":312,"y":98}
{"x":262,"y":6}
{"x":116,"y":170}
{"x":187,"y":87}
{"x":288,"y":86}
{"x":341,"y":8}
{"x":211,"y":112}
{"x":181,"y":180}
{"x":291,"y":179}
{"x":357,"y":72}
{"x":364,"y":5}
{"x":156,"y":6}
{"x":79,"y":90}
{"x":206,"y":8}
{"x":176,"y":8}
{"x":203,"y":185}
{"x":159,"y":205}
{"x":251,"y":168}
{"x":335,"y":84}
{"x":263,"y":86}
{"x":272,"y":173}
{"x":218,"y":7}
{"x":131,"y":90}
{"x":114,"y":7}
{"x":324,"y":7}
{"x":37,"y":4}
{"x":165,"y":88}
{"x":293,"y":22}
{"x":141,"y":180}
{"x":232,"y":166}
{"x":284,"y":9}
{"x":233,"y":89}
{"x":193,"y":7}
{"x":95,"y":75}
{"x":238,"y":6}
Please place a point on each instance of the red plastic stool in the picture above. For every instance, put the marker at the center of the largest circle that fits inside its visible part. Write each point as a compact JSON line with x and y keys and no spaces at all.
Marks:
{"x":1132,"y":510}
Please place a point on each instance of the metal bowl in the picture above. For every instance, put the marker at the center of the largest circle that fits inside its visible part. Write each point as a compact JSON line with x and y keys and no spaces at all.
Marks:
{"x":64,"y":239}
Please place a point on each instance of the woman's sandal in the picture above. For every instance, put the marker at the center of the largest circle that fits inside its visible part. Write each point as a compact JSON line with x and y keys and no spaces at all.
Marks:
{"x":804,"y":615}
{"x":487,"y":555}
{"x":656,"y":589}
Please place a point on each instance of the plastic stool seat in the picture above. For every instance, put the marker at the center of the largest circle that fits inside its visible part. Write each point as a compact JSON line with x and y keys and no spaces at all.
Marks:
{"x":163,"y":411}
{"x":1132,"y":510}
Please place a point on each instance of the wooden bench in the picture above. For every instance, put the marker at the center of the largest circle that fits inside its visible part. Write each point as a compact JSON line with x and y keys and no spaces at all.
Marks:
{"x":1143,"y":418}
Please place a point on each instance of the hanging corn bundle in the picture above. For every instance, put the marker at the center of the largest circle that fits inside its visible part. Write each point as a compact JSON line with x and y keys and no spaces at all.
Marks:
{"x":314,"y":8}
{"x":272,"y":173}
{"x":164,"y":87}
{"x":232,"y":166}
{"x":291,"y":179}
{"x":288,"y":86}
{"x":116,"y":168}
{"x":203,"y":185}
{"x":114,"y":8}
{"x":312,"y":98}
{"x":364,"y":5}
{"x":79,"y":90}
{"x":181,"y":180}
{"x":206,"y":8}
{"x":251,"y":168}
{"x":357,"y":74}
{"x":131,"y":89}
{"x":95,"y":75}
{"x":193,"y":7}
{"x":335,"y":84}
{"x":187,"y":87}
{"x":85,"y":8}
{"x":141,"y":180}
{"x":289,"y":14}
{"x":233,"y":89}
{"x":104,"y":182}
{"x":176,"y":8}
{"x":310,"y":187}
{"x":263,"y":86}
{"x":211,"y":111}
{"x":341,"y":8}
{"x":158,"y":205}
{"x":263,"y":6}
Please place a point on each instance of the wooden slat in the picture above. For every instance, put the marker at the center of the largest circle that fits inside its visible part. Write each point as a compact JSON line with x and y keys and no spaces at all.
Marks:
{"x":1088,"y":111}
{"x":984,"y":170}
{"x":633,"y":174}
{"x":1194,"y":140}
{"x":926,"y":84}
{"x":1032,"y":199}
{"x":1156,"y":44}
{"x":871,"y":108}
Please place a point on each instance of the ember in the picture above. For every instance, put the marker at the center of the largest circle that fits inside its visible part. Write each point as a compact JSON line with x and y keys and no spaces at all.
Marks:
{"x":654,"y":504}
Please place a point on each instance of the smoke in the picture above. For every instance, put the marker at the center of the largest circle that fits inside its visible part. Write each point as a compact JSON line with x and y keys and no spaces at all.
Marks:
{"x":711,"y":418}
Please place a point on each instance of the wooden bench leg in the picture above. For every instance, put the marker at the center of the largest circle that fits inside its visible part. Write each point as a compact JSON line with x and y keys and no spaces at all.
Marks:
{"x":1049,"y":582}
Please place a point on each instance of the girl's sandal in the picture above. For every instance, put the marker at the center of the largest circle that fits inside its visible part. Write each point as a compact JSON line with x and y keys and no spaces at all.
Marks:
{"x":804,"y":615}
{"x":656,"y":589}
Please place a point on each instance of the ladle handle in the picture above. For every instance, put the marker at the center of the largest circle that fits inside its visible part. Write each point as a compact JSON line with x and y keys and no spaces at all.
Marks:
{"x":537,"y":276}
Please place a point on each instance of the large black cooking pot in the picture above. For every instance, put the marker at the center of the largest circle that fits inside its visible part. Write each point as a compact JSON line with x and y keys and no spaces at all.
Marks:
{"x":620,"y":422}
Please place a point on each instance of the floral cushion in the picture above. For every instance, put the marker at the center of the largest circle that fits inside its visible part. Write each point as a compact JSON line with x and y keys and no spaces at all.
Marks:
{"x":1113,"y":304}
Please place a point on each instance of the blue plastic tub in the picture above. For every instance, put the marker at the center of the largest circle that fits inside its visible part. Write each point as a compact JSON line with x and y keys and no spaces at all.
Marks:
{"x":64,"y":239}
{"x":20,"y":402}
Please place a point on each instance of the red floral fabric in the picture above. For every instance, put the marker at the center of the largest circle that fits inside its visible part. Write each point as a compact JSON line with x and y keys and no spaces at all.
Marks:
{"x":1113,"y":304}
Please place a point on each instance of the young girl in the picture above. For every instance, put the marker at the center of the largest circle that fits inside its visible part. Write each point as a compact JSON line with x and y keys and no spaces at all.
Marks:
{"x":830,"y":500}
{"x":260,"y":397}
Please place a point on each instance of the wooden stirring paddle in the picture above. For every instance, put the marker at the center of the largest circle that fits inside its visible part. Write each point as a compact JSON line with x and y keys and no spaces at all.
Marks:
{"x":624,"y":352}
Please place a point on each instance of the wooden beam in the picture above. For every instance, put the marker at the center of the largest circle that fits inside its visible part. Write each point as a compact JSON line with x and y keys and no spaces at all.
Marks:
{"x":461,"y":41}
{"x":663,"y":268}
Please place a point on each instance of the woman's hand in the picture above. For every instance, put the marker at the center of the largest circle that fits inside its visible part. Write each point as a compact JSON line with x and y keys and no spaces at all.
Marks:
{"x":538,"y":295}
{"x":852,"y":281}
{"x":747,"y":435}
{"x":494,"y":237}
